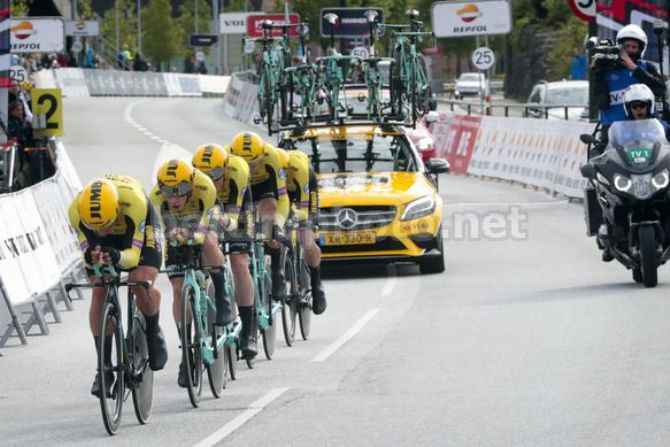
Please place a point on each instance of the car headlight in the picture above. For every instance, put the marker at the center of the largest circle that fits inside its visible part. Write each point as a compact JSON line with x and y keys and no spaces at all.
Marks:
{"x":424,"y":144}
{"x":622,"y":183}
{"x":602,"y":179}
{"x":661,"y":180}
{"x":419,"y":208}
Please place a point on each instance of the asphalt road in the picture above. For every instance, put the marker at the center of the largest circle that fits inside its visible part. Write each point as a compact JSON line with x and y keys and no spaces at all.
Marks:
{"x":527,"y":339}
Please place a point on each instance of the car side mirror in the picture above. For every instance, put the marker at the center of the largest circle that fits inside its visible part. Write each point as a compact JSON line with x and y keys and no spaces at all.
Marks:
{"x":432,"y":104}
{"x":587,"y":138}
{"x":588,"y":171}
{"x":431,"y":118}
{"x":437,"y":166}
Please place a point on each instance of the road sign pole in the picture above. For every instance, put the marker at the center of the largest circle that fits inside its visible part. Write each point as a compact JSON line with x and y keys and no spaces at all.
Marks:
{"x":593,"y":110}
{"x":139,"y":27}
{"x":215,"y":9}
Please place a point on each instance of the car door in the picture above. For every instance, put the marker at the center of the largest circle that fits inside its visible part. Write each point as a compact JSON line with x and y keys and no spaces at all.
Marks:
{"x":535,"y":101}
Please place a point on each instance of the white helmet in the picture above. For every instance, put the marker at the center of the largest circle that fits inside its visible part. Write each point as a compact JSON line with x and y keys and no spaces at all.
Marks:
{"x":639,"y":93}
{"x":633,"y":32}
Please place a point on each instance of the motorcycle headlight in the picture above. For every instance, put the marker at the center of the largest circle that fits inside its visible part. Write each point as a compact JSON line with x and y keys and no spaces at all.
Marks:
{"x":642,"y":188}
{"x":602,"y":179}
{"x":622,"y":183}
{"x":419,"y":208}
{"x":661,"y":180}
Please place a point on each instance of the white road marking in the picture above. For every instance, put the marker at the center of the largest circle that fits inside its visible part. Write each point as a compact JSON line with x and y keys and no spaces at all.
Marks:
{"x":353,"y":330}
{"x":391,"y":281}
{"x":255,"y":408}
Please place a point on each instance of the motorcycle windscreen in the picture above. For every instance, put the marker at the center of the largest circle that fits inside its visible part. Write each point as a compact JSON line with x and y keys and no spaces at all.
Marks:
{"x":637,"y":139}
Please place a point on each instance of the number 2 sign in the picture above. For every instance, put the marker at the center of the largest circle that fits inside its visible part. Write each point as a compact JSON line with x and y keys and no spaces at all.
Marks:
{"x":48,"y":103}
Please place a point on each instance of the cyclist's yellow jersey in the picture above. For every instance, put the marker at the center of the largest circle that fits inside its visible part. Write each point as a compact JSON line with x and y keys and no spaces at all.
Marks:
{"x":194,"y":214}
{"x":130,"y":222}
{"x":234,"y":189}
{"x":269,"y":169}
{"x":298,"y":184}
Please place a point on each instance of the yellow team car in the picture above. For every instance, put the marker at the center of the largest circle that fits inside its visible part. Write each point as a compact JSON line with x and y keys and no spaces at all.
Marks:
{"x":378,"y":201}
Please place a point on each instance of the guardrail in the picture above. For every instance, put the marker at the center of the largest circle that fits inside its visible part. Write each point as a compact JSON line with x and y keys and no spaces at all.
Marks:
{"x":529,"y":110}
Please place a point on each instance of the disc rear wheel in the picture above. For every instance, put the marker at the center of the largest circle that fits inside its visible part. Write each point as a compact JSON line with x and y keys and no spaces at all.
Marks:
{"x":190,"y":336}
{"x":143,"y":392}
{"x":112,"y":374}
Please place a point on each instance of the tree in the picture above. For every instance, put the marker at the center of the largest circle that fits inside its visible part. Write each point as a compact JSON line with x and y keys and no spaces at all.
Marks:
{"x":159,"y":37}
{"x":186,"y":22}
{"x":127,"y":24}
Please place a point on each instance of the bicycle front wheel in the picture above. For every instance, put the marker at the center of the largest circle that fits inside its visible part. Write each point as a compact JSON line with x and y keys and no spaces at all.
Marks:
{"x":216,"y":371}
{"x":288,"y":310}
{"x":143,"y":391}
{"x":111,"y":374}
{"x":270,"y":332}
{"x":305,"y":304}
{"x":190,"y":345}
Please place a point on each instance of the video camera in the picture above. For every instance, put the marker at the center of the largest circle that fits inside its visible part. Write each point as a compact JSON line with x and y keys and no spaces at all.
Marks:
{"x":604,"y":53}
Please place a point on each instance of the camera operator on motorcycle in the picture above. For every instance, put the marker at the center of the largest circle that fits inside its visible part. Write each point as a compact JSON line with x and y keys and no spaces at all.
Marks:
{"x":615,"y":73}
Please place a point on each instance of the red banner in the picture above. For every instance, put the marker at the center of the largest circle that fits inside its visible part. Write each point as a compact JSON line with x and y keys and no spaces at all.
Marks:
{"x":459,"y":142}
{"x":254,"y":24}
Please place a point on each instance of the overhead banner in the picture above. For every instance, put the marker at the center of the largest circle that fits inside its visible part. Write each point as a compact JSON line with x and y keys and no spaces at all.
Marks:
{"x":37,"y":35}
{"x":461,"y":19}
{"x":254,"y":24}
{"x":351,"y":22}
{"x":233,"y":23}
{"x":82,"y":28}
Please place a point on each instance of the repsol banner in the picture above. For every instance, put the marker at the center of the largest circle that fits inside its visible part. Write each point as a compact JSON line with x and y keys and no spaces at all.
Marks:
{"x":37,"y":35}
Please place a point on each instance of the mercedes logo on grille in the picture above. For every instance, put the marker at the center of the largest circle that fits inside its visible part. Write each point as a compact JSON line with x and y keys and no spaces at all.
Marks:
{"x":347,"y":218}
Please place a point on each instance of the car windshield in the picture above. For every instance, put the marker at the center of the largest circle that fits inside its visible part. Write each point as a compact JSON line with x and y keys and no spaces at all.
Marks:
{"x":357,"y":153}
{"x":568,"y":96}
{"x":640,"y":133}
{"x":474,"y":77}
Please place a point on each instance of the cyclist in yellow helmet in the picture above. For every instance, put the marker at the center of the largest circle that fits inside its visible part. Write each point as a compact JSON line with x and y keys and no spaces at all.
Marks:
{"x":268,"y":191}
{"x":184,"y":197}
{"x":303,"y":191}
{"x":230,"y":175}
{"x":117,"y":226}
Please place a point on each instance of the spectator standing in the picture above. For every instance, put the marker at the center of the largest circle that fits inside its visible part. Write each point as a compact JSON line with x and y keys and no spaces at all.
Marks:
{"x":578,"y":69}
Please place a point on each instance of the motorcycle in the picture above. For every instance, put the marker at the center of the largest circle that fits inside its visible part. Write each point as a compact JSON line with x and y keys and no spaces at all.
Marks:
{"x":627,"y":201}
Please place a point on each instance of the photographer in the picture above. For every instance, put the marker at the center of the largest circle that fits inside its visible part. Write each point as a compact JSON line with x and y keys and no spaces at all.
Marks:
{"x":615,"y":73}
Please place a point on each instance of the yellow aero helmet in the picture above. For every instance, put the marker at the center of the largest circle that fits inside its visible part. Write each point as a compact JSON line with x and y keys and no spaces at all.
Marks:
{"x":175,"y":178}
{"x":247,"y":145}
{"x":211,"y":159}
{"x":283,"y":157}
{"x":98,"y":204}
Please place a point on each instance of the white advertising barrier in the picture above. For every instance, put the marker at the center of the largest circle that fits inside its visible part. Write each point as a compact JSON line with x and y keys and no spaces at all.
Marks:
{"x":231,"y":100}
{"x":28,"y":244}
{"x":542,"y":153}
{"x":10,"y":270}
{"x":213,"y":84}
{"x":182,"y":84}
{"x":546,"y":154}
{"x":53,"y":212}
{"x":44,"y":79}
{"x":72,"y":82}
{"x":67,"y":171}
{"x":38,"y":260}
{"x":247,"y":103}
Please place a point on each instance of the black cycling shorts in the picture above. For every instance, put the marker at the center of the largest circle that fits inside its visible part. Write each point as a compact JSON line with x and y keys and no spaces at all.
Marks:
{"x":265,"y":189}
